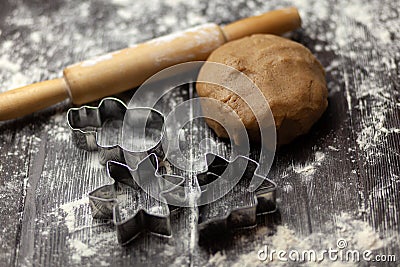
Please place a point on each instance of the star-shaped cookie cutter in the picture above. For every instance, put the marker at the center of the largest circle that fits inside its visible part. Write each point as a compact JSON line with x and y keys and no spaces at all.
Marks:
{"x":128,"y":204}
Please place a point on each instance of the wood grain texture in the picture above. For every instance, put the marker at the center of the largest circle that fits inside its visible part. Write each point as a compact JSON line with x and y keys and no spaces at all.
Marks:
{"x":45,"y":179}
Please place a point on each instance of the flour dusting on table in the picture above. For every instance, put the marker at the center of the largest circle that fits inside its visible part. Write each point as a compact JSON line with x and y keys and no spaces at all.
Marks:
{"x":37,"y":46}
{"x":358,"y":234}
{"x":308,"y":169}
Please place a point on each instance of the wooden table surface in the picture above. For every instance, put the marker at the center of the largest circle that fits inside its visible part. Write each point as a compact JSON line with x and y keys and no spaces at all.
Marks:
{"x":342,"y":180}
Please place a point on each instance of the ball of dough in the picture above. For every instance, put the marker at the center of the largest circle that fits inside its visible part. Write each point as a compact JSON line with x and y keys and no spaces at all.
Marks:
{"x":288,"y":75}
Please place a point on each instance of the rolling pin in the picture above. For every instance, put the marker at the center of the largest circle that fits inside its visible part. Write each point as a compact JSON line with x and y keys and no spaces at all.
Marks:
{"x":128,"y":68}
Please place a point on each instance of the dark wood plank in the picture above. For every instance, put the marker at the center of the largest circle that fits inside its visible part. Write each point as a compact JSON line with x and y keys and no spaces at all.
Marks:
{"x":343,"y":175}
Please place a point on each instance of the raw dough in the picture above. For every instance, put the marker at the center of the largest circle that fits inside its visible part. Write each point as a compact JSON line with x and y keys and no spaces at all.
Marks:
{"x":288,"y":75}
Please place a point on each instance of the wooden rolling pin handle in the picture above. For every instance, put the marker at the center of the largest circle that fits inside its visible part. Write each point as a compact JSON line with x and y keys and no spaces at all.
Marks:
{"x":25,"y":100}
{"x":273,"y":22}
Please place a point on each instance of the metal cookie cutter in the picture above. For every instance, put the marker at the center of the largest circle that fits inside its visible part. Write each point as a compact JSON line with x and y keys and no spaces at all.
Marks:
{"x":101,"y":128}
{"x":236,"y":209}
{"x":128,"y":201}
{"x":129,"y":205}
{"x":239,"y":207}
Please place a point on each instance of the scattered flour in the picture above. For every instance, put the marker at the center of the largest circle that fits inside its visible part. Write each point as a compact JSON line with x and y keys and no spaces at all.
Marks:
{"x":94,"y":61}
{"x":287,"y":188}
{"x":94,"y":242}
{"x":333,"y":148}
{"x":374,"y":101}
{"x":368,"y":29}
{"x":366,"y":15}
{"x":358,"y":234}
{"x":306,"y":171}
{"x":70,"y":210}
{"x":81,"y":250}
{"x":217,"y":259}
{"x":6,"y":64}
{"x":51,"y":47}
